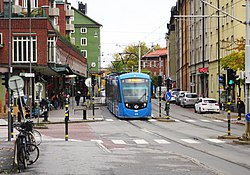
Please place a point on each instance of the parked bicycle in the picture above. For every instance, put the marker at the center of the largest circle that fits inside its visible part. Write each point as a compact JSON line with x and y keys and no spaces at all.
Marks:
{"x":26,"y":151}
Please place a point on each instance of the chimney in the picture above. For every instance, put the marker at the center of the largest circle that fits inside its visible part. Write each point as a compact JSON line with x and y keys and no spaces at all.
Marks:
{"x":82,"y":7}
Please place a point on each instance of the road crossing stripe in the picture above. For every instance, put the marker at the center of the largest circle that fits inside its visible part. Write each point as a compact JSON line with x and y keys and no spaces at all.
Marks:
{"x":98,"y":141}
{"x":176,"y":120}
{"x":215,"y":140}
{"x":189,"y":141}
{"x":206,"y":121}
{"x":118,"y":142}
{"x":109,"y":120}
{"x":141,"y":142}
{"x":192,"y":121}
{"x":152,"y":120}
{"x":219,"y":121}
{"x":161,"y":141}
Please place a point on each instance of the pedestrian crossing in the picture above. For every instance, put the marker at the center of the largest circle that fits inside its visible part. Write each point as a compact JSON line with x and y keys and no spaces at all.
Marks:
{"x":160,"y":141}
{"x":176,"y":120}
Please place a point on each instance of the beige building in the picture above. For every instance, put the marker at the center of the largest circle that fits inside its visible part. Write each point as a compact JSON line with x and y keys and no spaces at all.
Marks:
{"x":201,"y":38}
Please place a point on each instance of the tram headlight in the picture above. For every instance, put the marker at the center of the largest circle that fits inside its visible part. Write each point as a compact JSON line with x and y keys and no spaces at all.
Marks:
{"x":126,"y":104}
{"x":144,"y":104}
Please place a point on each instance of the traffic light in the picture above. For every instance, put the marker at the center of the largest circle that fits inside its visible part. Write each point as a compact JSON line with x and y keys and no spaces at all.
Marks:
{"x":159,"y":80}
{"x":5,"y":79}
{"x":168,"y":83}
{"x":93,"y":81}
{"x":222,"y":80}
{"x":231,"y":76}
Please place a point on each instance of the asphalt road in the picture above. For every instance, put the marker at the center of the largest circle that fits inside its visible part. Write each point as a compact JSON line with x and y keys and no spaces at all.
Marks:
{"x":190,"y":145}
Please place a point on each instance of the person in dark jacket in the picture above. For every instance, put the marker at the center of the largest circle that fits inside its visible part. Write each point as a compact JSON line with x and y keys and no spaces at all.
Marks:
{"x":77,"y":97}
{"x":240,"y":108}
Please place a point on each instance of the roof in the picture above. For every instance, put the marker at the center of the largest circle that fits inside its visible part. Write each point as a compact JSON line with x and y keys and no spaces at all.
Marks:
{"x":157,"y":53}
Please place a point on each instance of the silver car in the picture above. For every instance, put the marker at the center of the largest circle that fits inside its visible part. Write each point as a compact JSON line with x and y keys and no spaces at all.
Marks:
{"x":179,"y":96}
{"x":189,"y":99}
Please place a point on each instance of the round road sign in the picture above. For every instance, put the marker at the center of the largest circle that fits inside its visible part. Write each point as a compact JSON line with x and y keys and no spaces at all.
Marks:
{"x":16,"y":83}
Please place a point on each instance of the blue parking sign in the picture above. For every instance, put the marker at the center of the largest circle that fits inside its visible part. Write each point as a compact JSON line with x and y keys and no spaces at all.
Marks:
{"x":168,"y":96}
{"x":248,"y":117}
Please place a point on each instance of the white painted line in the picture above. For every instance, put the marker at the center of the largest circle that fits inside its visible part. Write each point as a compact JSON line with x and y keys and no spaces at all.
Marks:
{"x":206,"y":121}
{"x":119,"y":142}
{"x":140,"y":142}
{"x":176,"y":120}
{"x":191,"y":121}
{"x":161,"y":141}
{"x":189,"y":141}
{"x":215,"y":140}
{"x":109,"y":120}
{"x":152,"y":120}
{"x":97,"y":141}
{"x":219,"y":121}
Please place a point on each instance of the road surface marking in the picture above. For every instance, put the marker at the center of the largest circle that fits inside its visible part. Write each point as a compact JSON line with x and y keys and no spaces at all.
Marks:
{"x":152,"y":120}
{"x":219,"y":121}
{"x":109,"y":120}
{"x":161,"y":141}
{"x":191,"y":121}
{"x":205,"y":121}
{"x":189,"y":141}
{"x":97,"y":141}
{"x":176,"y":120}
{"x":119,"y":142}
{"x":140,"y":142}
{"x":215,"y":140}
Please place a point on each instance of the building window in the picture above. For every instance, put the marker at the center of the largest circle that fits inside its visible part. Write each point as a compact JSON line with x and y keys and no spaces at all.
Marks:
{"x":21,"y":49}
{"x":51,"y":50}
{"x":84,"y":41}
{"x":144,"y":64}
{"x":150,"y":64}
{"x":84,"y":53}
{"x":25,"y":3}
{"x":154,"y":63}
{"x":84,"y":30}
{"x":35,"y":5}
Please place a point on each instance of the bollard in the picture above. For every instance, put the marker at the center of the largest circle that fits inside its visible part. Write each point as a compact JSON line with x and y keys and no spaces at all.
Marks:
{"x":19,"y":116}
{"x":84,"y":114}
{"x":66,"y":120}
{"x":167,"y":108}
{"x":228,"y":120}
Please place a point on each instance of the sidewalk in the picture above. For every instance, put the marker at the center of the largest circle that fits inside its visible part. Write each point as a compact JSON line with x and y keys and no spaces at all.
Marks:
{"x":55,"y":116}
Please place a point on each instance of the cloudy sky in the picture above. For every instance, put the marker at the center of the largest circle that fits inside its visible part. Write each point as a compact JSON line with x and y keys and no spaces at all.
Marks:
{"x":127,"y":22}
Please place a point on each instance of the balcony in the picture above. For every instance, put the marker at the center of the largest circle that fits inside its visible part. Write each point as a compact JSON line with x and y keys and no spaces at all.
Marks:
{"x":53,"y":11}
{"x":70,"y":27}
{"x":69,"y":13}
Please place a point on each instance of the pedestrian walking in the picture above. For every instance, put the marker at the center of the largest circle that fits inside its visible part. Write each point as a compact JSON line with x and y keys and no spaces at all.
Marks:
{"x":77,"y":97}
{"x":240,"y":108}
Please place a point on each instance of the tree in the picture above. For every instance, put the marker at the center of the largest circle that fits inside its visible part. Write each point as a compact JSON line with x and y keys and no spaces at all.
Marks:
{"x":236,"y":59}
{"x":128,"y":59}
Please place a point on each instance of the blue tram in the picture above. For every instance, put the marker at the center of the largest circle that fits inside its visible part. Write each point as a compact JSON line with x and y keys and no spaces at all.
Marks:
{"x":128,"y":95}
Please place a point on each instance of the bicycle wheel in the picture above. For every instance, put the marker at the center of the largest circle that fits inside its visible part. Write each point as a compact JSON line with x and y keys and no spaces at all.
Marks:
{"x":32,"y":153}
{"x":38,"y":137}
{"x":30,"y":138}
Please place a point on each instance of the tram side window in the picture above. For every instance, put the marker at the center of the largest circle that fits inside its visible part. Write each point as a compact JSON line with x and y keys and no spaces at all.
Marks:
{"x":119,"y":94}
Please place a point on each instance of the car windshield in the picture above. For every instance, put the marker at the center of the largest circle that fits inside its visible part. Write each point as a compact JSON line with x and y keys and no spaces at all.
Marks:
{"x":191,"y":95}
{"x":210,"y":101}
{"x":135,"y":90}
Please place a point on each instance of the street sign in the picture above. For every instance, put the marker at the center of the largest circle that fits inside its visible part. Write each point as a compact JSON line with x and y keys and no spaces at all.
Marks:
{"x":28,"y":75}
{"x":168,"y":96}
{"x":248,"y":117}
{"x":16,"y":83}
{"x":88,"y":82}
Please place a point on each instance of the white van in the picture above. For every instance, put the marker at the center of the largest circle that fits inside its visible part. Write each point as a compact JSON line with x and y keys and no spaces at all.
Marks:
{"x":163,"y":91}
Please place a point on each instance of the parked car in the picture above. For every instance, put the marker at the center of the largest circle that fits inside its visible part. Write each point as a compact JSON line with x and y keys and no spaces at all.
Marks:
{"x":173,"y":95}
{"x":179,"y":96}
{"x":207,"y":105}
{"x":189,"y":99}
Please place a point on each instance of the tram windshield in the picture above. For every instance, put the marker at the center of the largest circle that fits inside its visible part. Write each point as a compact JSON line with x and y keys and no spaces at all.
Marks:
{"x":135,"y":90}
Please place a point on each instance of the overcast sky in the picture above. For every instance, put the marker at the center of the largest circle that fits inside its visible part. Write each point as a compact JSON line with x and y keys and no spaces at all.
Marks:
{"x":127,"y":22}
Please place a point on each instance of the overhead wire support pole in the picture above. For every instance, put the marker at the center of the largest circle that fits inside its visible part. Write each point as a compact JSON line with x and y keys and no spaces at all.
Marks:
{"x":9,"y":72}
{"x":139,"y":55}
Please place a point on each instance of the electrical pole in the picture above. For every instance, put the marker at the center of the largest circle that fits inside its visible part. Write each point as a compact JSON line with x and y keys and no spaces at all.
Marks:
{"x":246,"y":135}
{"x":139,"y":55}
